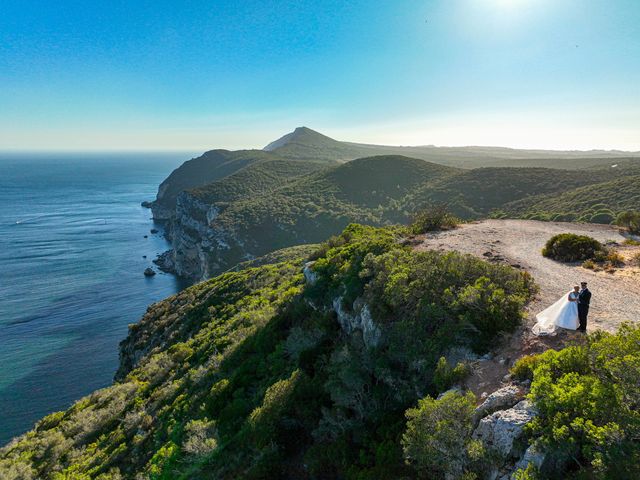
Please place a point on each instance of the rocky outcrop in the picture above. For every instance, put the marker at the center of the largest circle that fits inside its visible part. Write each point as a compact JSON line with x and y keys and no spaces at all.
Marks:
{"x":358,"y":319}
{"x":310,"y":276}
{"x":165,"y":262}
{"x":200,"y":248}
{"x":500,"y":430}
{"x":499,"y":423}
{"x":506,"y":397}
{"x":149,"y":272}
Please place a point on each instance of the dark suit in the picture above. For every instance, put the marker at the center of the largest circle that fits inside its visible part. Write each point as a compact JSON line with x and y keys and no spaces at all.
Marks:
{"x":584,"y":299}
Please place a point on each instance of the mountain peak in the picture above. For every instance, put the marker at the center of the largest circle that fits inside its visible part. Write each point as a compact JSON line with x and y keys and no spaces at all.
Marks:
{"x":302,"y":135}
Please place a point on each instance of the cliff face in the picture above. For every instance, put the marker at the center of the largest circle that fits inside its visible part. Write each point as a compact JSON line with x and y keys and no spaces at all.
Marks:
{"x":200,"y":248}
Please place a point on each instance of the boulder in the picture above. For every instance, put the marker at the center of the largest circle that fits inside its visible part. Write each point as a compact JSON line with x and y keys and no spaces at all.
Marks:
{"x":149,"y":272}
{"x":154,"y":230}
{"x":165,"y":262}
{"x":500,"y":430}
{"x":506,"y":397}
{"x":310,"y":276}
{"x":360,"y":319}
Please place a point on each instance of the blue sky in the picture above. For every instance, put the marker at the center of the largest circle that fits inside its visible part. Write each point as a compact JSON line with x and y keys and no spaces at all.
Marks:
{"x":78,"y":75}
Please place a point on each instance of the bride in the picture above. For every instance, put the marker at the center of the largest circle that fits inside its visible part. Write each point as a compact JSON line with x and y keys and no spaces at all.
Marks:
{"x":563,"y":313}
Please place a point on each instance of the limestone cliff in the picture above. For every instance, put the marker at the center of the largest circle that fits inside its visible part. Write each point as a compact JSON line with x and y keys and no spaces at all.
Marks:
{"x":199,"y":247}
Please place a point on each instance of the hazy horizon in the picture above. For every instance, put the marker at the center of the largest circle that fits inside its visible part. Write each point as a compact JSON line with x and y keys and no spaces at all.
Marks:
{"x":198,"y":150}
{"x":160,"y":76}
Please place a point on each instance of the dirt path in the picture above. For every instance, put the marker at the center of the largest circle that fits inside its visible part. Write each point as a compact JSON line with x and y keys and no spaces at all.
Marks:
{"x":616,"y":296}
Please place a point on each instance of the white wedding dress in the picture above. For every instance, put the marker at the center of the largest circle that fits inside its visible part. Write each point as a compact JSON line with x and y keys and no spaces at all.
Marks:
{"x":562,"y":314}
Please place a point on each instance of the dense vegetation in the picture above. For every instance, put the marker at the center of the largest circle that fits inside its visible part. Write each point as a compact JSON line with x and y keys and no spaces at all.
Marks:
{"x":215,"y":165}
{"x":569,"y":247}
{"x":258,"y":178}
{"x":311,"y":208}
{"x":250,"y":375}
{"x":477,"y":193}
{"x":307,"y":146}
{"x":596,"y":203}
{"x":588,"y":398}
{"x":436,"y":218}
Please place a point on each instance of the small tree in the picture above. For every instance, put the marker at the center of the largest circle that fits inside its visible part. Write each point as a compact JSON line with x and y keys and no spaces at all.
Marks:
{"x":438,"y":435}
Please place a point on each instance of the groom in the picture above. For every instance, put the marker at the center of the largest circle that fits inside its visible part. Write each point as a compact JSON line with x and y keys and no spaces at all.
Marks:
{"x":584,"y":298}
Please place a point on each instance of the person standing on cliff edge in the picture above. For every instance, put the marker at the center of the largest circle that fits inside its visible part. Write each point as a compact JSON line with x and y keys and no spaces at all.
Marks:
{"x":584,"y":299}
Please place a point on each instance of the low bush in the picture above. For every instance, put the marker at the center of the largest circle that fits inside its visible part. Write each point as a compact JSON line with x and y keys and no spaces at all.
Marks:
{"x":569,"y":247}
{"x":445,"y":376}
{"x":433,"y":219}
{"x":614,"y":259}
{"x":629,"y":220}
{"x":523,"y":368}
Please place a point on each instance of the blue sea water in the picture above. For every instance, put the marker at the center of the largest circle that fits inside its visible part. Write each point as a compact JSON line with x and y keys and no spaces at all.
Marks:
{"x":71,"y":273}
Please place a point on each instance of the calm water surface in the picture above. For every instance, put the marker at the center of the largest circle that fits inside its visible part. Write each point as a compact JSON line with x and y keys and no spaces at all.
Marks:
{"x":71,"y":261}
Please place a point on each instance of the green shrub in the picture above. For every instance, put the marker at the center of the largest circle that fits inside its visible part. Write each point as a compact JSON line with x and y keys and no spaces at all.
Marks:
{"x":438,"y":433}
{"x":603,"y":217}
{"x":569,"y":247}
{"x":433,"y":219}
{"x":445,"y":376}
{"x":524,"y":367}
{"x":629,"y":220}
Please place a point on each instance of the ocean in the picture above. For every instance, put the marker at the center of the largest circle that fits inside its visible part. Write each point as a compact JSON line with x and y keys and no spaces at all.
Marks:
{"x":72,"y":241}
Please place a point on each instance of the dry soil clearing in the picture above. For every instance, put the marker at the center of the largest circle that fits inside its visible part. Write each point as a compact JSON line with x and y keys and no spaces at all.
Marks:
{"x":616,"y":296}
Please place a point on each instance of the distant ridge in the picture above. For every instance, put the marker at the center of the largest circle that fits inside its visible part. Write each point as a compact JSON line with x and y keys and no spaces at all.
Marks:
{"x":305,"y":143}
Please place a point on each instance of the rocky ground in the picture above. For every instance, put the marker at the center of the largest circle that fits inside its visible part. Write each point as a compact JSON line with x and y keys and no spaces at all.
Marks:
{"x":616,"y":296}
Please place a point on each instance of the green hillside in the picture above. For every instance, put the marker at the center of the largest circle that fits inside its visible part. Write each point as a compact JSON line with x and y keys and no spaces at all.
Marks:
{"x":209,"y":167}
{"x":598,"y":203}
{"x":249,"y":375}
{"x":259,"y":177}
{"x":269,"y":372}
{"x":475,"y":193}
{"x":218,"y":164}
{"x":311,"y":208}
